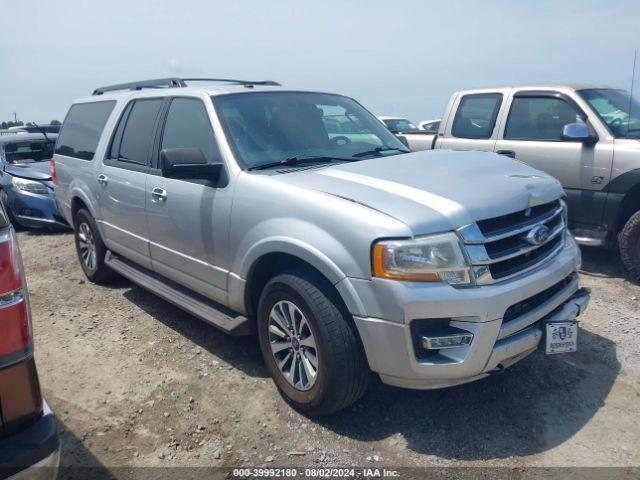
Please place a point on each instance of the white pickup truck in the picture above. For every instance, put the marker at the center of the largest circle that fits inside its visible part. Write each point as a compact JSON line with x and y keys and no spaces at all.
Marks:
{"x":587,"y":137}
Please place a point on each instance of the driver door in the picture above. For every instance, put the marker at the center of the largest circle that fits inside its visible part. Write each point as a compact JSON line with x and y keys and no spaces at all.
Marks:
{"x":189,"y":219}
{"x":533,"y":135}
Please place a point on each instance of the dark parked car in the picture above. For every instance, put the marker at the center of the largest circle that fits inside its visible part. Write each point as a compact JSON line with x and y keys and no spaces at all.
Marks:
{"x":28,"y":432}
{"x":26,"y":189}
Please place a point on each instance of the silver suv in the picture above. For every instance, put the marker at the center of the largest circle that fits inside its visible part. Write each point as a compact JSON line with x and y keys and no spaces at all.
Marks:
{"x":297,"y":214}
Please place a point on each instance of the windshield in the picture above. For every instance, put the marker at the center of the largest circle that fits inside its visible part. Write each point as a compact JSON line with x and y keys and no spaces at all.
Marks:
{"x":617,"y":110}
{"x":268,"y":127}
{"x":28,"y":152}
{"x":399,"y":125}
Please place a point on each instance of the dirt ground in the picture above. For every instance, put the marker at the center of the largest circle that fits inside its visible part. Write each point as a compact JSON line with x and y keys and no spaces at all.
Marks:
{"x":136,"y":382}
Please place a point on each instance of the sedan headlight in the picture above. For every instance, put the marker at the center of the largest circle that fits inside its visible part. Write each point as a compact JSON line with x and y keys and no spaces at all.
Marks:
{"x":436,"y":258}
{"x":30,"y":186}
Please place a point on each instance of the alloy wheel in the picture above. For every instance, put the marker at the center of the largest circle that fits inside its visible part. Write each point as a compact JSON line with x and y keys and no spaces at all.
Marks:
{"x":293,"y":345}
{"x":87,"y":245}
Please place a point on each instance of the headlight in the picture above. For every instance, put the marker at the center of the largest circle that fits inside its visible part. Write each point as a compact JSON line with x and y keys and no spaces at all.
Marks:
{"x":30,"y":186}
{"x":436,"y":258}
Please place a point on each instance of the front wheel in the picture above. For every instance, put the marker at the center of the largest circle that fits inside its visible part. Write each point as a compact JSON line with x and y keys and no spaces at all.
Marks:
{"x":91,"y":251}
{"x":629,"y":244}
{"x":310,"y":348}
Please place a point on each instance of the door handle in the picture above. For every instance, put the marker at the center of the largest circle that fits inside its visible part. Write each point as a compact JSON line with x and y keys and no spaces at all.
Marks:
{"x":506,"y":153}
{"x":103,"y":179}
{"x":159,"y":194}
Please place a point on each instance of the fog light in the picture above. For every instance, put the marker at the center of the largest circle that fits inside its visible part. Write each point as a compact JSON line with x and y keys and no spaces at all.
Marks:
{"x":448,"y":341}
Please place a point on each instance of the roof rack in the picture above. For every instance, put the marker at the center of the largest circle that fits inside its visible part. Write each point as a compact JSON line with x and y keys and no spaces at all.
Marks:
{"x":175,"y":82}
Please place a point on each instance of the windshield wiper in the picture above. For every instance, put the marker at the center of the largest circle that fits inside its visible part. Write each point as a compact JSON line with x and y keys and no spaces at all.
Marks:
{"x":381,"y":148}
{"x":298,"y":161}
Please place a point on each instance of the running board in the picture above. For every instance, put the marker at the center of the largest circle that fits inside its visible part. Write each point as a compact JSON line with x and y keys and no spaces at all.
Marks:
{"x":197,"y":305}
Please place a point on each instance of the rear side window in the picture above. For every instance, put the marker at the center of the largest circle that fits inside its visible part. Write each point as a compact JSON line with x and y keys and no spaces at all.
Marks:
{"x":188,"y":126}
{"x":476,"y":116}
{"x":134,"y":134}
{"x":82,"y":128}
{"x":540,"y":118}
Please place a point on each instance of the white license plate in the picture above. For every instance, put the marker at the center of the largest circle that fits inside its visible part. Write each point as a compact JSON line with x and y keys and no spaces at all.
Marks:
{"x":561,"y":337}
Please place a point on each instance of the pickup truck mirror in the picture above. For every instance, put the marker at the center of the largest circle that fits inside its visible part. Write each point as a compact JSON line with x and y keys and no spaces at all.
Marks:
{"x":188,"y":163}
{"x":578,"y":132}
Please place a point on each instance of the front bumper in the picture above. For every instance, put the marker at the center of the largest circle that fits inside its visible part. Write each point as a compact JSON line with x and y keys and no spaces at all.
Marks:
{"x":392,"y":307}
{"x":37,"y":211}
{"x":32,"y":454}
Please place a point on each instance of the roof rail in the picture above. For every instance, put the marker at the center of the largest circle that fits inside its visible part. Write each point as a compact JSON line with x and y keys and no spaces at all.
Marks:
{"x":175,"y":82}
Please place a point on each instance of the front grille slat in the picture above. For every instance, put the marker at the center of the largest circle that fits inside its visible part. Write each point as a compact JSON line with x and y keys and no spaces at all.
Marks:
{"x":499,"y":247}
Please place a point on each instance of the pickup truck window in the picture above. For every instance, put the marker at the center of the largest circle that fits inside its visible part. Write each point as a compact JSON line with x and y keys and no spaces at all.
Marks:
{"x":476,"y":116}
{"x":539,"y":118}
{"x":188,"y":126}
{"x":617,"y":109}
{"x":267,"y":127}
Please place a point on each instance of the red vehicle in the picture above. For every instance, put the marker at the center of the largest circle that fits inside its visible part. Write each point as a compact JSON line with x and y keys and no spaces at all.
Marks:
{"x":29,"y":447}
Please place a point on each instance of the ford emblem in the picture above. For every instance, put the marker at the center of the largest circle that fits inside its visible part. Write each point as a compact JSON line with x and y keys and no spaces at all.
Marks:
{"x":538,"y":235}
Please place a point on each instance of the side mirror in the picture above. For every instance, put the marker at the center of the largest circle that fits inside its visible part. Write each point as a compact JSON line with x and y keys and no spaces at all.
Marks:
{"x":578,"y":132}
{"x":188,"y":163}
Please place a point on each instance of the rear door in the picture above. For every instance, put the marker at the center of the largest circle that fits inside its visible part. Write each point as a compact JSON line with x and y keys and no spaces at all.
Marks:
{"x":475,"y":121}
{"x":122,"y":181}
{"x":532,"y":133}
{"x":189,"y":219}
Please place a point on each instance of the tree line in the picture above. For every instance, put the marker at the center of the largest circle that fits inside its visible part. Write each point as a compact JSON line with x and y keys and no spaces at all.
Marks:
{"x":20,"y":123}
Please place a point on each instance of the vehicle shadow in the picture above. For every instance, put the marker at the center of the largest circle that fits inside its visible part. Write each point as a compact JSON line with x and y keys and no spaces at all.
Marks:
{"x":76,"y":461}
{"x":241,"y":352}
{"x":603,"y":263}
{"x":535,"y":405}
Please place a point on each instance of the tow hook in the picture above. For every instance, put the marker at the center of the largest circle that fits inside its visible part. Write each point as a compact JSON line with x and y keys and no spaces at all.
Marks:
{"x":497,"y":371}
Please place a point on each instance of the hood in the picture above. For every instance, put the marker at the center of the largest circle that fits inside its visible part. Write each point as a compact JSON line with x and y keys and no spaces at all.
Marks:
{"x":434,"y":191}
{"x":33,"y":171}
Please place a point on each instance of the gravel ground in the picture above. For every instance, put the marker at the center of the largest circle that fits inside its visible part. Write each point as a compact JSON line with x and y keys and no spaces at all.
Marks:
{"x":136,"y":382}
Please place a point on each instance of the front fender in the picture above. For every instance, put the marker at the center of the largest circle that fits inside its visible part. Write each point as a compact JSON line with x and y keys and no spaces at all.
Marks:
{"x":309,"y":243}
{"x":296,"y":248}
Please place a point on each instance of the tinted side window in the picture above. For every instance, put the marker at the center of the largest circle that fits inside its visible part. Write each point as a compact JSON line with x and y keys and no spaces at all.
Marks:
{"x":82,"y":128}
{"x":476,"y":116}
{"x":137,"y":133}
{"x":539,"y":118}
{"x":188,"y":126}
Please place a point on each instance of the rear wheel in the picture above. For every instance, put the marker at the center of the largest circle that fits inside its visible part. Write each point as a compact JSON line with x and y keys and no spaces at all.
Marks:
{"x":311,"y":349}
{"x":629,"y":244}
{"x":91,"y":251}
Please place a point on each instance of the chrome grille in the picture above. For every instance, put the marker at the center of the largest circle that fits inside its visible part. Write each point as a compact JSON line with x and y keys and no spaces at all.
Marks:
{"x":499,"y":248}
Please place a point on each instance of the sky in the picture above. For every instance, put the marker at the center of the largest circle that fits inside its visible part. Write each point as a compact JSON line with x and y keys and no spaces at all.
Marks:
{"x":396,"y":58}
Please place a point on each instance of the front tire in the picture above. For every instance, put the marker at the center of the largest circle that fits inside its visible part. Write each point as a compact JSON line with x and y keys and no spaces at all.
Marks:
{"x":90,"y":248}
{"x":629,"y":244}
{"x":311,"y":350}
